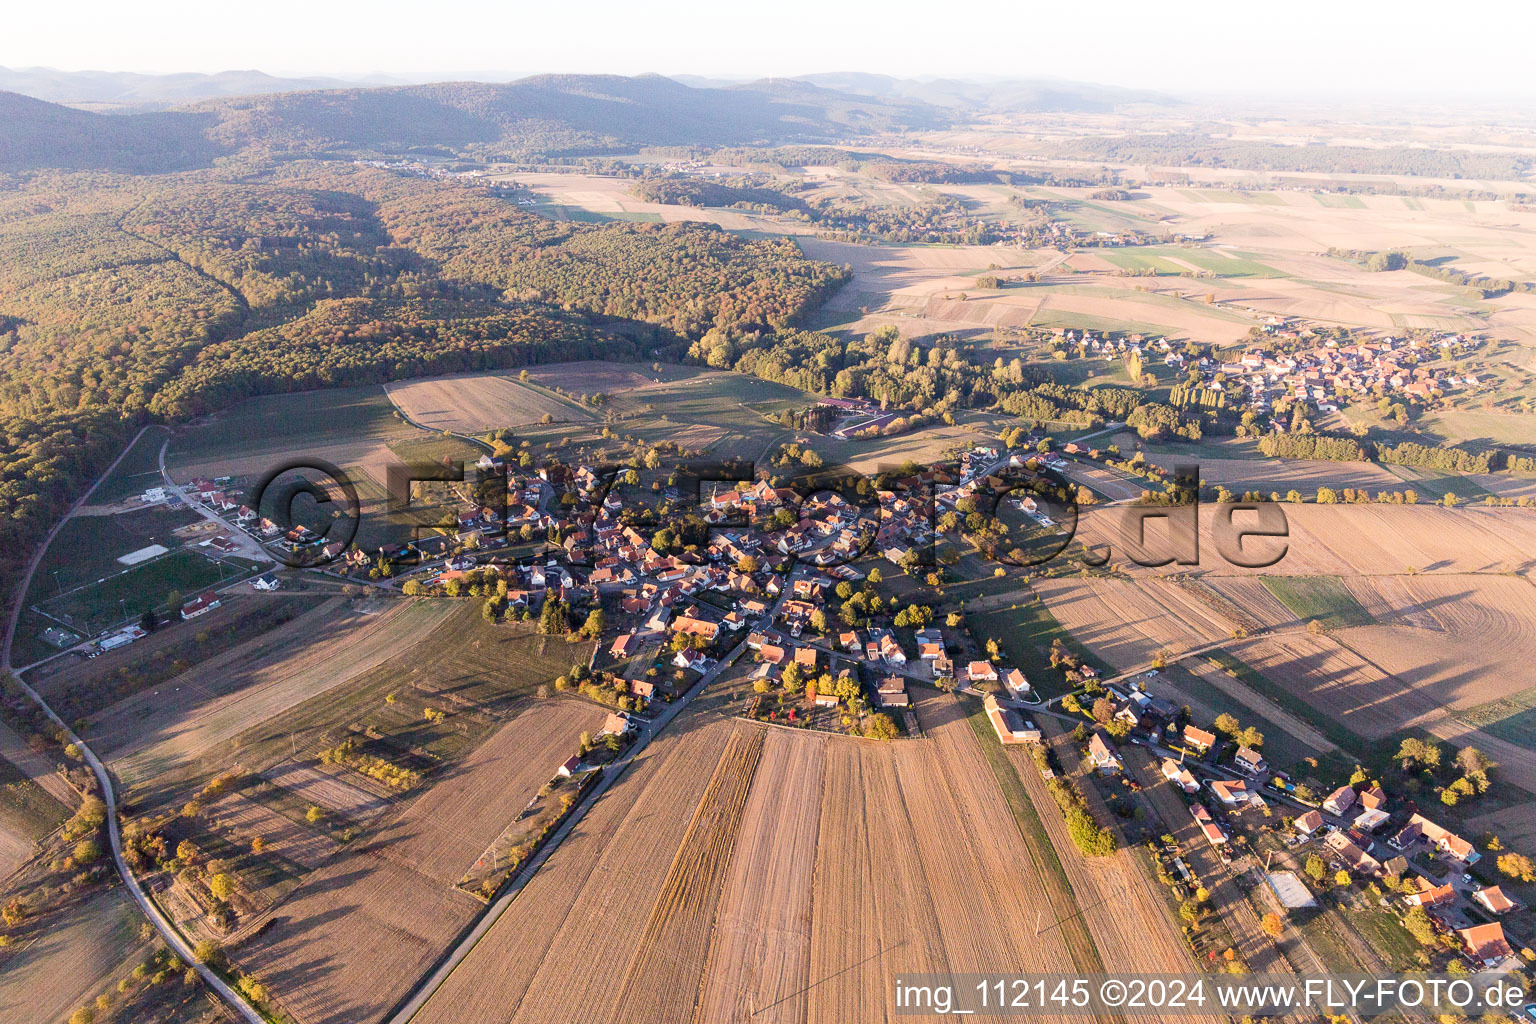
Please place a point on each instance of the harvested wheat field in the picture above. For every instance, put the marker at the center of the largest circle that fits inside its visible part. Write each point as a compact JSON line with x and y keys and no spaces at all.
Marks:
{"x":1126,"y":622}
{"x":473,"y":402}
{"x":590,"y":376}
{"x":759,"y":962}
{"x":1336,"y":681}
{"x":314,"y":786}
{"x":738,"y":874}
{"x":662,"y":981}
{"x":1343,"y":540}
{"x":242,"y":820}
{"x":1468,"y":640}
{"x":351,"y":941}
{"x":455,"y":820}
{"x":148,"y":736}
{"x":920,"y":867}
{"x":1124,"y":914}
{"x":590,"y":901}
{"x":1301,"y":474}
{"x":66,"y":963}
{"x":1253,"y":600}
{"x":35,"y":767}
{"x":377,"y":917}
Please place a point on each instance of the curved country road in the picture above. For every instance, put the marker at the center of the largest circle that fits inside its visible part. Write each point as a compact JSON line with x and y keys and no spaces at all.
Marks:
{"x":173,"y":938}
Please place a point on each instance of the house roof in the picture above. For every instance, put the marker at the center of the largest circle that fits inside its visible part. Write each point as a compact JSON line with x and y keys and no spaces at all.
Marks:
{"x":1193,"y":734}
{"x":1230,"y":791}
{"x":1494,"y":899}
{"x":1441,"y":836}
{"x":1485,"y":941}
{"x":1310,"y":822}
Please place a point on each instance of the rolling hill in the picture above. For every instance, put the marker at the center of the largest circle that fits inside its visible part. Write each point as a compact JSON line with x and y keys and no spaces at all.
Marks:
{"x":546,"y":114}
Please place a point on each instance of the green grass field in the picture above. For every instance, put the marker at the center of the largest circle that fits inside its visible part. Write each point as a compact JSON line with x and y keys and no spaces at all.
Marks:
{"x":1025,"y":632}
{"x":139,"y":470}
{"x":1140,"y":259}
{"x":25,"y":807}
{"x":1511,"y":718}
{"x":1084,"y":952}
{"x":1167,"y":260}
{"x":1480,"y":429}
{"x":1338,"y":201}
{"x":274,"y":422}
{"x":87,"y":547}
{"x":1221,"y":195}
{"x":1318,"y":598}
{"x":129,"y":593}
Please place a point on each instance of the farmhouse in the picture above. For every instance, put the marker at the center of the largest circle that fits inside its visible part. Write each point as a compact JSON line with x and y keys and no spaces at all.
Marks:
{"x":1356,"y":859}
{"x":1494,"y":899}
{"x":1249,"y":760}
{"x":891,"y":692}
{"x":200,"y":605}
{"x":1428,"y":895}
{"x":1371,"y":820}
{"x":1017,"y":685}
{"x":617,"y":724}
{"x":1198,"y":739}
{"x":1233,"y":793}
{"x":1339,"y":801}
{"x":1309,"y":823}
{"x":1447,"y":842}
{"x":1180,"y":776}
{"x":1485,"y":943}
{"x":1102,"y":755}
{"x":1208,"y":827}
{"x":695,"y":627}
{"x":1009,"y":725}
{"x":981,"y":672}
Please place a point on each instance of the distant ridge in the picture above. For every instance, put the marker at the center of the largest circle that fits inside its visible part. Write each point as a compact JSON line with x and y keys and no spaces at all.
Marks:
{"x":545,"y":114}
{"x":139,"y":91}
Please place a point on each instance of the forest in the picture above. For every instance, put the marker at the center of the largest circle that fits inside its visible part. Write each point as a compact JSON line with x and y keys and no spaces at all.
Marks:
{"x":126,"y":300}
{"x":544,"y":116}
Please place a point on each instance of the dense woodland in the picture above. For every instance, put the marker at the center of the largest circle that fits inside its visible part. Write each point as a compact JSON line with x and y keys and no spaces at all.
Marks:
{"x":941,"y":219}
{"x":934,"y":381}
{"x":545,"y":116}
{"x":130,"y":299}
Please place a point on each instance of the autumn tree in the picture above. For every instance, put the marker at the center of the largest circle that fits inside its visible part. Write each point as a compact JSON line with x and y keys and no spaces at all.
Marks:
{"x":1517,"y":866}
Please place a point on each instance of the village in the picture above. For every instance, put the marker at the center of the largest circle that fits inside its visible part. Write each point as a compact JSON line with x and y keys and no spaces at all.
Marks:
{"x":773,"y":599}
{"x":1301,"y":363}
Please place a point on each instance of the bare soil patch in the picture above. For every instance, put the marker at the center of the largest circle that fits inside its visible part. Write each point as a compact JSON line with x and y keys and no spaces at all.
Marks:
{"x":470,"y":403}
{"x":323,"y":789}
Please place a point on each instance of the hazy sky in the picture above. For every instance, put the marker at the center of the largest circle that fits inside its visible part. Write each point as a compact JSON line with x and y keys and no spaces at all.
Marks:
{"x":1337,"y":46}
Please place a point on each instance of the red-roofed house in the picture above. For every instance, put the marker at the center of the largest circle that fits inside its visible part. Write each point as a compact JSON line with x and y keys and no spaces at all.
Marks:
{"x":1485,"y":943}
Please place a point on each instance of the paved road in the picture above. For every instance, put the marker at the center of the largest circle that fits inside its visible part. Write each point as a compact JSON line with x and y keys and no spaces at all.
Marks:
{"x":173,"y":938}
{"x":25,"y":583}
{"x":250,"y":547}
